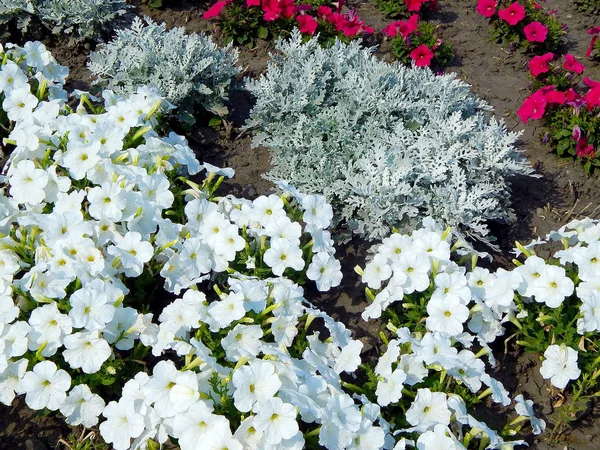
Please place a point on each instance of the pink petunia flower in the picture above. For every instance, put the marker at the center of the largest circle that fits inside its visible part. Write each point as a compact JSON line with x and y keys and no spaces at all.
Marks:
{"x":414,"y":5}
{"x":307,"y":24}
{"x":513,"y":14}
{"x":403,"y":27}
{"x":572,"y":65}
{"x":583,"y":150}
{"x":422,"y":55}
{"x":533,"y":107}
{"x":323,"y":12}
{"x":486,"y":8}
{"x":539,"y":64}
{"x":595,"y":32}
{"x":216,"y":9}
{"x":252,"y":3}
{"x":535,"y":32}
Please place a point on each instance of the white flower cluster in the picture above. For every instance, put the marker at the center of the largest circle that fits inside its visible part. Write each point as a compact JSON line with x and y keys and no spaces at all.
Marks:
{"x":572,"y":277}
{"x":27,"y":74}
{"x":188,"y":69}
{"x":461,"y":307}
{"x":95,"y":203}
{"x":81,"y":19}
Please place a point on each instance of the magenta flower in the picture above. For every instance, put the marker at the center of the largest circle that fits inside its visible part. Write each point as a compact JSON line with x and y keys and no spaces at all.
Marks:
{"x":513,"y":14}
{"x":539,"y":64}
{"x":486,"y":8}
{"x":422,"y":56}
{"x":535,"y":32}
{"x":572,"y":65}
{"x":533,"y":107}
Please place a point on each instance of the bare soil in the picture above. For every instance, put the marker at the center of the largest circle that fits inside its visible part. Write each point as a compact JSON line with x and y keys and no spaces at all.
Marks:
{"x":497,"y":74}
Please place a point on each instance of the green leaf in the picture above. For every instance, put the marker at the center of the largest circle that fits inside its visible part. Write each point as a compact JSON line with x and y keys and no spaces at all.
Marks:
{"x":215,"y":122}
{"x":563,"y":145}
{"x":263,"y":33}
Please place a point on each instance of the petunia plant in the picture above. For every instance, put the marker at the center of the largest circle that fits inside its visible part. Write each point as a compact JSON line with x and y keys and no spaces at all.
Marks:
{"x":28,"y":75}
{"x":593,"y":50}
{"x":244,"y":21}
{"x":568,"y":110}
{"x":440,"y":312}
{"x":522,"y":24}
{"x":405,"y":8}
{"x":558,"y":314}
{"x":418,"y":42}
{"x":139,"y":300}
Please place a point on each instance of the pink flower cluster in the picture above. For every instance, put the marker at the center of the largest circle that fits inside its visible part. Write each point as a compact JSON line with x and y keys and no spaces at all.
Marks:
{"x":422,"y":54}
{"x":349,"y":23}
{"x":534,"y":107}
{"x":595,"y":33}
{"x":512,"y":15}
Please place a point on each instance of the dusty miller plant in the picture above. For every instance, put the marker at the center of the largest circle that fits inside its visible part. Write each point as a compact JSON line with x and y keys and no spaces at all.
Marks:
{"x":81,"y":19}
{"x":189,"y":70}
{"x":17,"y":10}
{"x":387,"y":145}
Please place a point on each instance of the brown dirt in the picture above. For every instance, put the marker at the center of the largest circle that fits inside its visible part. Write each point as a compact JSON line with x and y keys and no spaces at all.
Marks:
{"x":496,"y":74}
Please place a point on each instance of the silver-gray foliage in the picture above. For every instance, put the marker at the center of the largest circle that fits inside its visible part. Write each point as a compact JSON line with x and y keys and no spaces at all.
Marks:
{"x":81,"y":19}
{"x":188,"y":69}
{"x":18,"y":10}
{"x":387,"y":145}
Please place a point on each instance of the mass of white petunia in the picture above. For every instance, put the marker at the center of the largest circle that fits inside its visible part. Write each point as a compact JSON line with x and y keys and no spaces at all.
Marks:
{"x":132,"y":297}
{"x":442,"y":318}
{"x":28,"y":75}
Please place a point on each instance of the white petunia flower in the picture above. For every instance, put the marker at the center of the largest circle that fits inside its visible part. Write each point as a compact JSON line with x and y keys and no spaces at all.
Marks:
{"x":325,"y":270}
{"x":277,"y":420}
{"x":123,"y":423}
{"x":282,"y":255}
{"x":524,"y":408}
{"x":560,"y":365}
{"x":86,"y":350}
{"x":19,"y":103}
{"x":27,"y":183}
{"x":317,"y":211}
{"x":255,"y":384}
{"x":376,"y":271}
{"x":428,"y":409}
{"x":46,"y":386}
{"x":447,"y":316}
{"x":81,"y":407}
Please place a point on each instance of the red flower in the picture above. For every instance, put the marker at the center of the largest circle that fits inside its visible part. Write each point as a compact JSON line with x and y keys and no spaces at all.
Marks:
{"x":405,"y":28}
{"x":324,"y":12}
{"x":274,"y":9}
{"x":572,"y":65}
{"x":252,"y":3}
{"x":215,"y":9}
{"x":486,"y":8}
{"x":533,"y":107}
{"x":307,"y":24}
{"x":535,"y":32}
{"x":555,"y":96}
{"x":414,"y":5}
{"x":583,"y":150}
{"x":593,"y":97}
{"x":513,"y":14}
{"x":539,"y":64}
{"x":552,"y":95}
{"x":422,"y":56}
{"x":595,"y":32}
